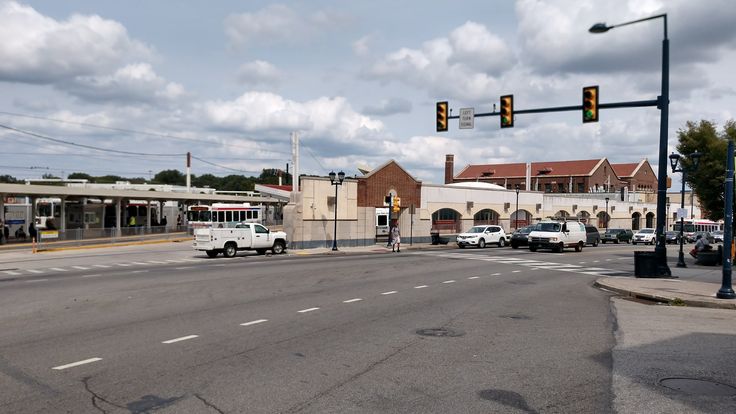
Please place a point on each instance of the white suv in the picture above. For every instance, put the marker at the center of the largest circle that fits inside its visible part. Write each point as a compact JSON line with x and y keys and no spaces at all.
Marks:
{"x":480,"y":236}
{"x":645,"y":236}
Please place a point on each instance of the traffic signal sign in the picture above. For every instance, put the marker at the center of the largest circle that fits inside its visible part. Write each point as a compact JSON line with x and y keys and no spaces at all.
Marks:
{"x":442,"y":116}
{"x":507,"y":111}
{"x":590,"y":104}
{"x":396,"y":205}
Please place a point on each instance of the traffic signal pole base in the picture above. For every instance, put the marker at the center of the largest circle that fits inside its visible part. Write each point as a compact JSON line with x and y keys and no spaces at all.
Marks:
{"x":726,"y":294}
{"x":681,"y":260}
{"x":662,"y":269}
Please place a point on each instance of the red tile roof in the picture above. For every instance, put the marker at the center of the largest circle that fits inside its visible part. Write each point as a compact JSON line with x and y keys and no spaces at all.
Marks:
{"x":625,"y":170}
{"x":518,"y":170}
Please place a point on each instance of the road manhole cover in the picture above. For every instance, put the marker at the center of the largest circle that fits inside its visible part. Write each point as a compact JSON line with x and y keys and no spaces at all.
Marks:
{"x":449,"y":332}
{"x":694,"y":386}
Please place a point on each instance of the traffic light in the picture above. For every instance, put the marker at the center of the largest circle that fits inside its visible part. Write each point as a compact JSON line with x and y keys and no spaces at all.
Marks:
{"x":590,"y":104}
{"x":396,"y":205}
{"x":507,"y":111}
{"x":441,"y":116}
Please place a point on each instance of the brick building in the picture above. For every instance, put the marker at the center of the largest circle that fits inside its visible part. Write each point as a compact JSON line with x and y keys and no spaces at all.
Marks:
{"x":389,"y":178}
{"x":637,"y":176}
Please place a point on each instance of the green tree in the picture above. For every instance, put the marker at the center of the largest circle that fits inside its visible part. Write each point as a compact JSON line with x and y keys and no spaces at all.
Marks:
{"x":172,"y":177}
{"x":9,"y":179}
{"x":81,"y":176}
{"x":707,"y":181}
{"x":206,"y":180}
{"x":237,"y":183}
{"x":109,"y":179}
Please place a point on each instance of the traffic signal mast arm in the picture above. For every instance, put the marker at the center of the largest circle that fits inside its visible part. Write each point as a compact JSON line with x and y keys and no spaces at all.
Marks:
{"x":627,"y":104}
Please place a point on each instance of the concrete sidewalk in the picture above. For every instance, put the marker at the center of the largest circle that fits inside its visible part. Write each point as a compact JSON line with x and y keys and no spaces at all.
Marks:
{"x":672,"y":291}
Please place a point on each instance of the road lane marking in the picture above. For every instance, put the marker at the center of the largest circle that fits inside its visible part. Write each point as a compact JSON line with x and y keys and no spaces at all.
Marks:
{"x":473,"y":277}
{"x":11,"y":273}
{"x":184,"y":267}
{"x":139,"y":263}
{"x":496,"y":274}
{"x":123,"y":264}
{"x":582,"y":262}
{"x":352,"y":300}
{"x":94,"y":275}
{"x":608,"y":260}
{"x":35,"y":271}
{"x":219,"y":265}
{"x":596,"y":261}
{"x":81,"y":267}
{"x":420,"y":287}
{"x":183,"y":338}
{"x":139,"y":271}
{"x":257,"y":321}
{"x":156,"y":262}
{"x":307,"y":310}
{"x":174,"y":261}
{"x":102,"y":266}
{"x":390,"y":292}
{"x":76,"y":364}
{"x":58,"y":269}
{"x":449,"y":281}
{"x":516,"y":271}
{"x":37,"y":280}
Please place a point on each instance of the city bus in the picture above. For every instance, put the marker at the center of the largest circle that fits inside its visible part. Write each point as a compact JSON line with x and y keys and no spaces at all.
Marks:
{"x":691,"y":226}
{"x":223,"y":215}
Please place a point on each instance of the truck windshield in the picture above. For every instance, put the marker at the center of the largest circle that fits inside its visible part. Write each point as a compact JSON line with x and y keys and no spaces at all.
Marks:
{"x":548,"y":227}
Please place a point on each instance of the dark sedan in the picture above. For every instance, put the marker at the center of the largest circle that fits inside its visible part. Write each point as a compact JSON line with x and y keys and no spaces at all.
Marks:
{"x":521,"y":237}
{"x":672,"y":237}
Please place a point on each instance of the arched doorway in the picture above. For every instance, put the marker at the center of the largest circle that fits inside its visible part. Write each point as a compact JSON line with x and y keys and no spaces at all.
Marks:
{"x":603,"y":219}
{"x":520,"y":218}
{"x":562,"y":214}
{"x":650,"y":220}
{"x":636,"y":221}
{"x":486,"y":216}
{"x":446,"y":220}
{"x":583,"y":216}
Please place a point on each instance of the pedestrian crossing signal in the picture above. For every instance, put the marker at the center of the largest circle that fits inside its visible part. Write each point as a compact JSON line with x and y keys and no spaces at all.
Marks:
{"x":590,"y":104}
{"x":442,"y":116}
{"x":507,"y":111}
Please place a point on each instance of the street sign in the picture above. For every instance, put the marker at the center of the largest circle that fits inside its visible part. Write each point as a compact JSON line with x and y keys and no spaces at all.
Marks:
{"x":467,"y":118}
{"x":681,"y":213}
{"x":49,"y":234}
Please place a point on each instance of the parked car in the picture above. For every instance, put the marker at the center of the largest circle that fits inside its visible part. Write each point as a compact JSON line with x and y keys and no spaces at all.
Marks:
{"x":645,"y":236}
{"x":480,"y":236}
{"x":718,"y":236}
{"x":672,"y":237}
{"x":557,"y":235}
{"x":521,"y":237}
{"x":617,"y":235}
{"x":593,"y":236}
{"x":708,"y":236}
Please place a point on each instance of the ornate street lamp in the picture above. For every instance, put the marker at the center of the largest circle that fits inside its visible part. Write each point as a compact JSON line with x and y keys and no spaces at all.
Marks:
{"x":336,"y":182}
{"x":516,"y":213}
{"x":663,"y":105}
{"x":607,"y":216}
{"x":674,"y":162}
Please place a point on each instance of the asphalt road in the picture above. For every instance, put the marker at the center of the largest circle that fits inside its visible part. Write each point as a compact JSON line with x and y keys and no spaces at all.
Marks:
{"x":163,"y":329}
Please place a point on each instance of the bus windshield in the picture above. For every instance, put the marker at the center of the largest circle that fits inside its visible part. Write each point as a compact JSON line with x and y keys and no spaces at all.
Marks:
{"x":199,"y":216}
{"x":689,"y":227}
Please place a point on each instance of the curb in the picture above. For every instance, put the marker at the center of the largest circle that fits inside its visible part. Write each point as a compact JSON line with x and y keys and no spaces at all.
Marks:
{"x":108,"y":245}
{"x":665,"y":299}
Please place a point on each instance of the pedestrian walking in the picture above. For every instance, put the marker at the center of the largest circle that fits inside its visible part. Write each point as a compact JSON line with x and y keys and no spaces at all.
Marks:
{"x":32,"y":231}
{"x":395,"y":238}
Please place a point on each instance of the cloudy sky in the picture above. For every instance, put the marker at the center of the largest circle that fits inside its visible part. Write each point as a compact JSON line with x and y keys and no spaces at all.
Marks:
{"x":229,"y":81}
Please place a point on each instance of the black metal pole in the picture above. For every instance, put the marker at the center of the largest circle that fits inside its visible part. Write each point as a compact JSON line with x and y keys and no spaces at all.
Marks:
{"x":681,"y":255}
{"x":726,"y":291}
{"x":334,"y":238}
{"x":664,"y":104}
{"x":607,"y":217}
{"x":516,"y":213}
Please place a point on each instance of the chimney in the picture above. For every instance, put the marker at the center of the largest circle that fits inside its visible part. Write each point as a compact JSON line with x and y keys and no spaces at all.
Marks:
{"x":449,"y":168}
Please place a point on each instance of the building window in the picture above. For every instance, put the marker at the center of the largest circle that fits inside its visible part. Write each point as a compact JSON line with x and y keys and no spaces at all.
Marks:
{"x":581,"y":187}
{"x":548,"y":188}
{"x":560,"y":188}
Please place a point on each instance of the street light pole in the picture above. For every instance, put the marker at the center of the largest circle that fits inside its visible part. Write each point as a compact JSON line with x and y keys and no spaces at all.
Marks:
{"x":674,"y":161}
{"x":336,"y":182}
{"x":607,"y":216}
{"x":663,"y":105}
{"x":516,"y":213}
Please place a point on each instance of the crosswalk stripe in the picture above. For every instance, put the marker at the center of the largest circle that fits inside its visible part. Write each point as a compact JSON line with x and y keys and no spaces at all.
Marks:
{"x":81,"y":267}
{"x":102,"y":266}
{"x":11,"y":273}
{"x":58,"y":269}
{"x":35,"y":271}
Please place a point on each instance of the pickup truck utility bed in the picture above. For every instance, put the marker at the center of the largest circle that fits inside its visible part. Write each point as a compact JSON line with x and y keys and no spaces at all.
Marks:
{"x":244,"y":236}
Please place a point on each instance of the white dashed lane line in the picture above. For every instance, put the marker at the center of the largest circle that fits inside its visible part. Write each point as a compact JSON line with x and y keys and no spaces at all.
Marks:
{"x":76,"y":364}
{"x":449,"y":281}
{"x":473,"y":277}
{"x":420,"y":287}
{"x":37,"y":280}
{"x":516,"y":271}
{"x":183,"y":338}
{"x":352,"y":300}
{"x":139,"y":263}
{"x":58,"y":269}
{"x":156,"y":262}
{"x":256,"y":322}
{"x":81,"y":267}
{"x":496,"y":274}
{"x":123,"y":264}
{"x":390,"y":292}
{"x":308,"y":310}
{"x":35,"y":271}
{"x":101,"y":266}
{"x":184,"y":267}
{"x":94,"y":275}
{"x":139,"y":271}
{"x":11,"y":273}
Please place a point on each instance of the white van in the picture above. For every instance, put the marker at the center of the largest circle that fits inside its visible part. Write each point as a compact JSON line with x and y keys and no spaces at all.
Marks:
{"x":556,"y":235}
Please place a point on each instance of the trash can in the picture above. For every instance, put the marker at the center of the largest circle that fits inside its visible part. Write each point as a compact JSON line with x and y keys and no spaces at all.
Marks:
{"x":435,"y":237}
{"x":645,"y":264}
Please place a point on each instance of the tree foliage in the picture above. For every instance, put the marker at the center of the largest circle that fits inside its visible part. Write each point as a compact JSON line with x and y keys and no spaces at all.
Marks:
{"x":707,"y":181}
{"x":9,"y":179}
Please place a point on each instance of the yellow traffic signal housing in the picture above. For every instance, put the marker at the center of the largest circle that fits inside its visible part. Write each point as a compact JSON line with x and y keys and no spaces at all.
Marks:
{"x":396,"y":205}
{"x":507,"y":111}
{"x":590,"y":104}
{"x":442,"y":116}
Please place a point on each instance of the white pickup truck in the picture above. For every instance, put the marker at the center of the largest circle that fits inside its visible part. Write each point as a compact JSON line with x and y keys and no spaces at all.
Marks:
{"x":244,"y":236}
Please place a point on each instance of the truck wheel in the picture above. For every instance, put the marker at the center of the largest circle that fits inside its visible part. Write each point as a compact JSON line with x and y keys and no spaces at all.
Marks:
{"x":211,"y":253}
{"x":501,"y":242}
{"x":579,"y":247}
{"x":261,"y":251}
{"x":595,"y":243}
{"x":560,"y":247}
{"x":230,"y":250}
{"x":278,"y":247}
{"x":481,"y":243}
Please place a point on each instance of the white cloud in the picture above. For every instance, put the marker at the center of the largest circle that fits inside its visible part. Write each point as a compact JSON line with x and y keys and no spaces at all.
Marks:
{"x":131,"y":83}
{"x":268,"y":113}
{"x":391,"y":106}
{"x":39,"y":49}
{"x":279,"y":23}
{"x":361,"y":47}
{"x":259,"y":72}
